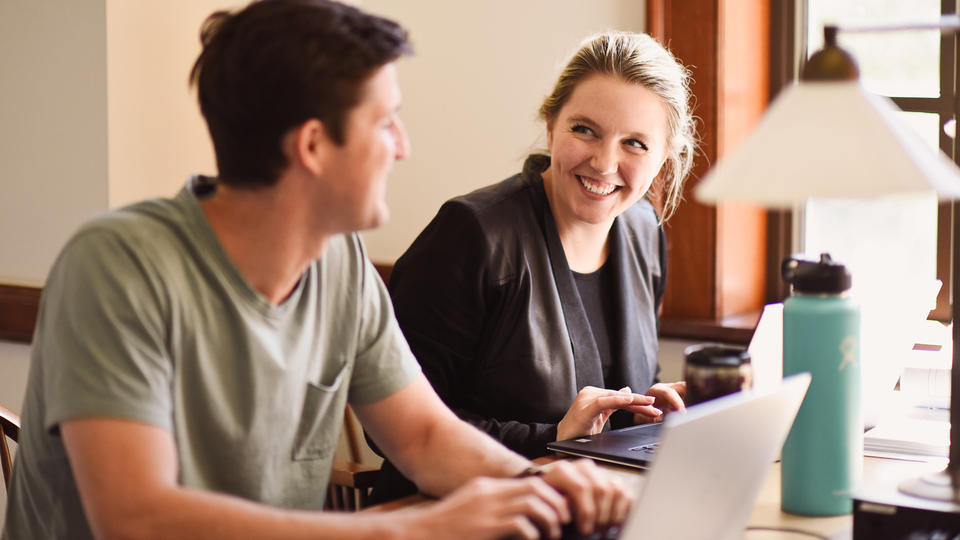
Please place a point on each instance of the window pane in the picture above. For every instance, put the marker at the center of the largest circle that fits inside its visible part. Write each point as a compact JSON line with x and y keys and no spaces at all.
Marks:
{"x":926,"y":125}
{"x":890,"y":246}
{"x":902,"y":64}
{"x":891,"y":240}
{"x":895,"y":237}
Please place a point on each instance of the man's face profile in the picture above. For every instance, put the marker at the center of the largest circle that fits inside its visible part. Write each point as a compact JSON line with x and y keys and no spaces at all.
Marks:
{"x":356,"y":175}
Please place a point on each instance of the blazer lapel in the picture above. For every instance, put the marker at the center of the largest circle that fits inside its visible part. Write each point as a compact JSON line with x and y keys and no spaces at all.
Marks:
{"x":585,"y":354}
{"x":632,"y":364}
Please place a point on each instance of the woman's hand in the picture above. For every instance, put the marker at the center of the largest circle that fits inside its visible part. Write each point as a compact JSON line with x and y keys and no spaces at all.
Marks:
{"x":593,"y":406}
{"x":667,"y":397}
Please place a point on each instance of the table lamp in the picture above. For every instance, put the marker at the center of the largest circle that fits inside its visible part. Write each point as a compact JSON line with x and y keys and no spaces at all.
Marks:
{"x":860,"y":150}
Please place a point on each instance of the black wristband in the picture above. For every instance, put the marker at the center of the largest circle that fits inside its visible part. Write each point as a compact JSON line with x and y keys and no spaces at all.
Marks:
{"x":532,"y":470}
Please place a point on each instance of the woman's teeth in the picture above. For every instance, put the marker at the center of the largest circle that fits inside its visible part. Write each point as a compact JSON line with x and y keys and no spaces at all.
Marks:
{"x":595,"y":187}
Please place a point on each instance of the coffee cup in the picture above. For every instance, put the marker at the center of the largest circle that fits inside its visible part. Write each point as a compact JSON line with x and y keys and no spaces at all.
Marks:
{"x":713,"y":370}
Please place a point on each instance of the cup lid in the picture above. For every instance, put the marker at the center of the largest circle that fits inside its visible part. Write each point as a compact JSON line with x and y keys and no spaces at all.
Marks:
{"x":712,"y":354}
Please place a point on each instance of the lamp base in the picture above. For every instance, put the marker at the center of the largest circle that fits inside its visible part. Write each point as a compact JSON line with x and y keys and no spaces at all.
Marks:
{"x":935,"y":486}
{"x":922,"y":507}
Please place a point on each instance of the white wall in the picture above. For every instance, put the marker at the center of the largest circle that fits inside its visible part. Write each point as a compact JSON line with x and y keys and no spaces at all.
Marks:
{"x":157,"y":137}
{"x":53,"y":124}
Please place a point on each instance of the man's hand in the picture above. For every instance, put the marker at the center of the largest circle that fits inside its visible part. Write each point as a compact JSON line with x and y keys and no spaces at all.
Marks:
{"x":491,"y":508}
{"x":525,"y":508}
{"x":598,"y":499}
{"x":593,"y":406}
{"x":668,"y":397}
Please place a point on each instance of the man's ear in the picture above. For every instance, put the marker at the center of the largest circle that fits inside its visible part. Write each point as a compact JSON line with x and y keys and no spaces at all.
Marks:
{"x":306,"y":145}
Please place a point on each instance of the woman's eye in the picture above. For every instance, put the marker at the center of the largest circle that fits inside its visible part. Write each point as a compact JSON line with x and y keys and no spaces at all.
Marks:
{"x":581,"y":129}
{"x":636,"y":144}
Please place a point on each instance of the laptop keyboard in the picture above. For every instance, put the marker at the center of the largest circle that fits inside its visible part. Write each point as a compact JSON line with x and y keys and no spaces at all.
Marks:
{"x":648,"y":449}
{"x":570,"y":532}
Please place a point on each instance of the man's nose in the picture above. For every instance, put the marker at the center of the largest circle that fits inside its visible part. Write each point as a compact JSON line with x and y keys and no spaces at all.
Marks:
{"x":403,"y":141}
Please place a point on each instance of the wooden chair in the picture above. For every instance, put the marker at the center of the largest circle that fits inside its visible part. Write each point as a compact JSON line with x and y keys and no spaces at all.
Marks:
{"x":350,"y":481}
{"x":9,"y":429}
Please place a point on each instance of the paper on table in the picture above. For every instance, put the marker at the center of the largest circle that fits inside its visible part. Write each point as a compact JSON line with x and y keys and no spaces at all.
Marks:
{"x":920,"y":433}
{"x":909,"y":438}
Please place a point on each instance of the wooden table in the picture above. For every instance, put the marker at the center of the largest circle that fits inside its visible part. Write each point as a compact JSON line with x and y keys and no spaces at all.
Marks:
{"x":878,"y":474}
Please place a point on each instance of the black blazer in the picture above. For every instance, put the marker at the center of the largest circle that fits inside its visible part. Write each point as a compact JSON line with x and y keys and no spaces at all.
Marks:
{"x":490,"y":308}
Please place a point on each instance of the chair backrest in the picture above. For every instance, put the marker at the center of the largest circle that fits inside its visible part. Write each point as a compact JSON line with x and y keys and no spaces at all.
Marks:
{"x":9,"y":429}
{"x":351,"y":481}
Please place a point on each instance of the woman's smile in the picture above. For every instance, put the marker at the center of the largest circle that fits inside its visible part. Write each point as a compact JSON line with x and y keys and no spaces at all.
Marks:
{"x":596,"y":187}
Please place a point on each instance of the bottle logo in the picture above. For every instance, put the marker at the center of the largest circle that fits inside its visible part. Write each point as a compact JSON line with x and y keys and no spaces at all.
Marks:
{"x":848,"y":351}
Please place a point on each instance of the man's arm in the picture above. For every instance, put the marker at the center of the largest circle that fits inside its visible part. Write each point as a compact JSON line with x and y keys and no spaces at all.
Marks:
{"x":126,"y":473}
{"x":440,"y":452}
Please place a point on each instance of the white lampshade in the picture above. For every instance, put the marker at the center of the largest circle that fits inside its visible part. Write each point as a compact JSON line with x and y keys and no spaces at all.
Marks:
{"x":829,"y":139}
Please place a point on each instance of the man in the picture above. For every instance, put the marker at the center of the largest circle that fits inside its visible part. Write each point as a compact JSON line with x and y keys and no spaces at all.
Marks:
{"x":193,"y":356}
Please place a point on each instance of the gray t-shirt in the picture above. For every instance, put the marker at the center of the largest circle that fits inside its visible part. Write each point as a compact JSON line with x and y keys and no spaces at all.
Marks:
{"x":144,"y":317}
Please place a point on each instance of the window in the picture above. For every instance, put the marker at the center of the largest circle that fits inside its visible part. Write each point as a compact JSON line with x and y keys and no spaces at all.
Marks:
{"x":891,"y":244}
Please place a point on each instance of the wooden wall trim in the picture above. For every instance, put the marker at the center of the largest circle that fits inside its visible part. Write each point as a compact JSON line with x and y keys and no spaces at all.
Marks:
{"x":19,"y":306}
{"x":18,"y":312}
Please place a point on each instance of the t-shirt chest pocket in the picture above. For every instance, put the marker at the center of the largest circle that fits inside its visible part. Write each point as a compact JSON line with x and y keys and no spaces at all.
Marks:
{"x":322,"y":414}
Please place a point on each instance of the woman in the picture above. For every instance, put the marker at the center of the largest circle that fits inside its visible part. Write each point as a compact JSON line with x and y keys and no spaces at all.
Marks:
{"x":525,"y":299}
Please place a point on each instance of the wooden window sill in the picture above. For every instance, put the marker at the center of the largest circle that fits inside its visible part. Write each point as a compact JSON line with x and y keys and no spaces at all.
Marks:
{"x":735,"y":329}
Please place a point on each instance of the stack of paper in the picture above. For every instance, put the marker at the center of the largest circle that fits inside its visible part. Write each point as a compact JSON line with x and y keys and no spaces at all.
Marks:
{"x":922,"y":435}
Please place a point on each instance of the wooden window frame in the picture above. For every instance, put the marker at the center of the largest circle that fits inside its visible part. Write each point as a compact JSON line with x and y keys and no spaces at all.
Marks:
{"x":718,"y":271}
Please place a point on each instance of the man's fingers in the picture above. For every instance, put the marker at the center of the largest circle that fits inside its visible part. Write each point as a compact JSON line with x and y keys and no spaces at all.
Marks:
{"x":519,"y":526}
{"x":603,"y":493}
{"x":579,"y":489}
{"x":553,"y":498}
{"x":537,"y":511}
{"x":622,"y":502}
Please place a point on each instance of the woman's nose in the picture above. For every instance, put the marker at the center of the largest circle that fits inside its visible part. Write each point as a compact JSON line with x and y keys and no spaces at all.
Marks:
{"x":604,"y":159}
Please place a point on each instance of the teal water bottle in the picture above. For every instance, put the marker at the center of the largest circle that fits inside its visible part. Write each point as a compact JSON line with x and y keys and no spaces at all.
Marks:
{"x":822,"y":459}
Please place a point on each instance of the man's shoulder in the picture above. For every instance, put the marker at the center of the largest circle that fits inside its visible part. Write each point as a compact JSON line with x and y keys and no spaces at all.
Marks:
{"x":150,"y":239}
{"x":149,"y":219}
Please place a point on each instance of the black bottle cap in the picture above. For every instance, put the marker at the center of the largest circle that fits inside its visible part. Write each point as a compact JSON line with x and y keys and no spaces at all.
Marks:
{"x":816,"y":277}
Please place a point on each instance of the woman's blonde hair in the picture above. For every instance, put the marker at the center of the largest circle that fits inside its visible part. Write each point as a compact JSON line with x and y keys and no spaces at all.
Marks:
{"x":639,"y":59}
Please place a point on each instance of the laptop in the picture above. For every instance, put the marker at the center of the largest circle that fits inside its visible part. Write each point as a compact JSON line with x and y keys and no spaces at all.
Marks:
{"x":711,"y":463}
{"x":634,"y":446}
{"x":631,"y":446}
